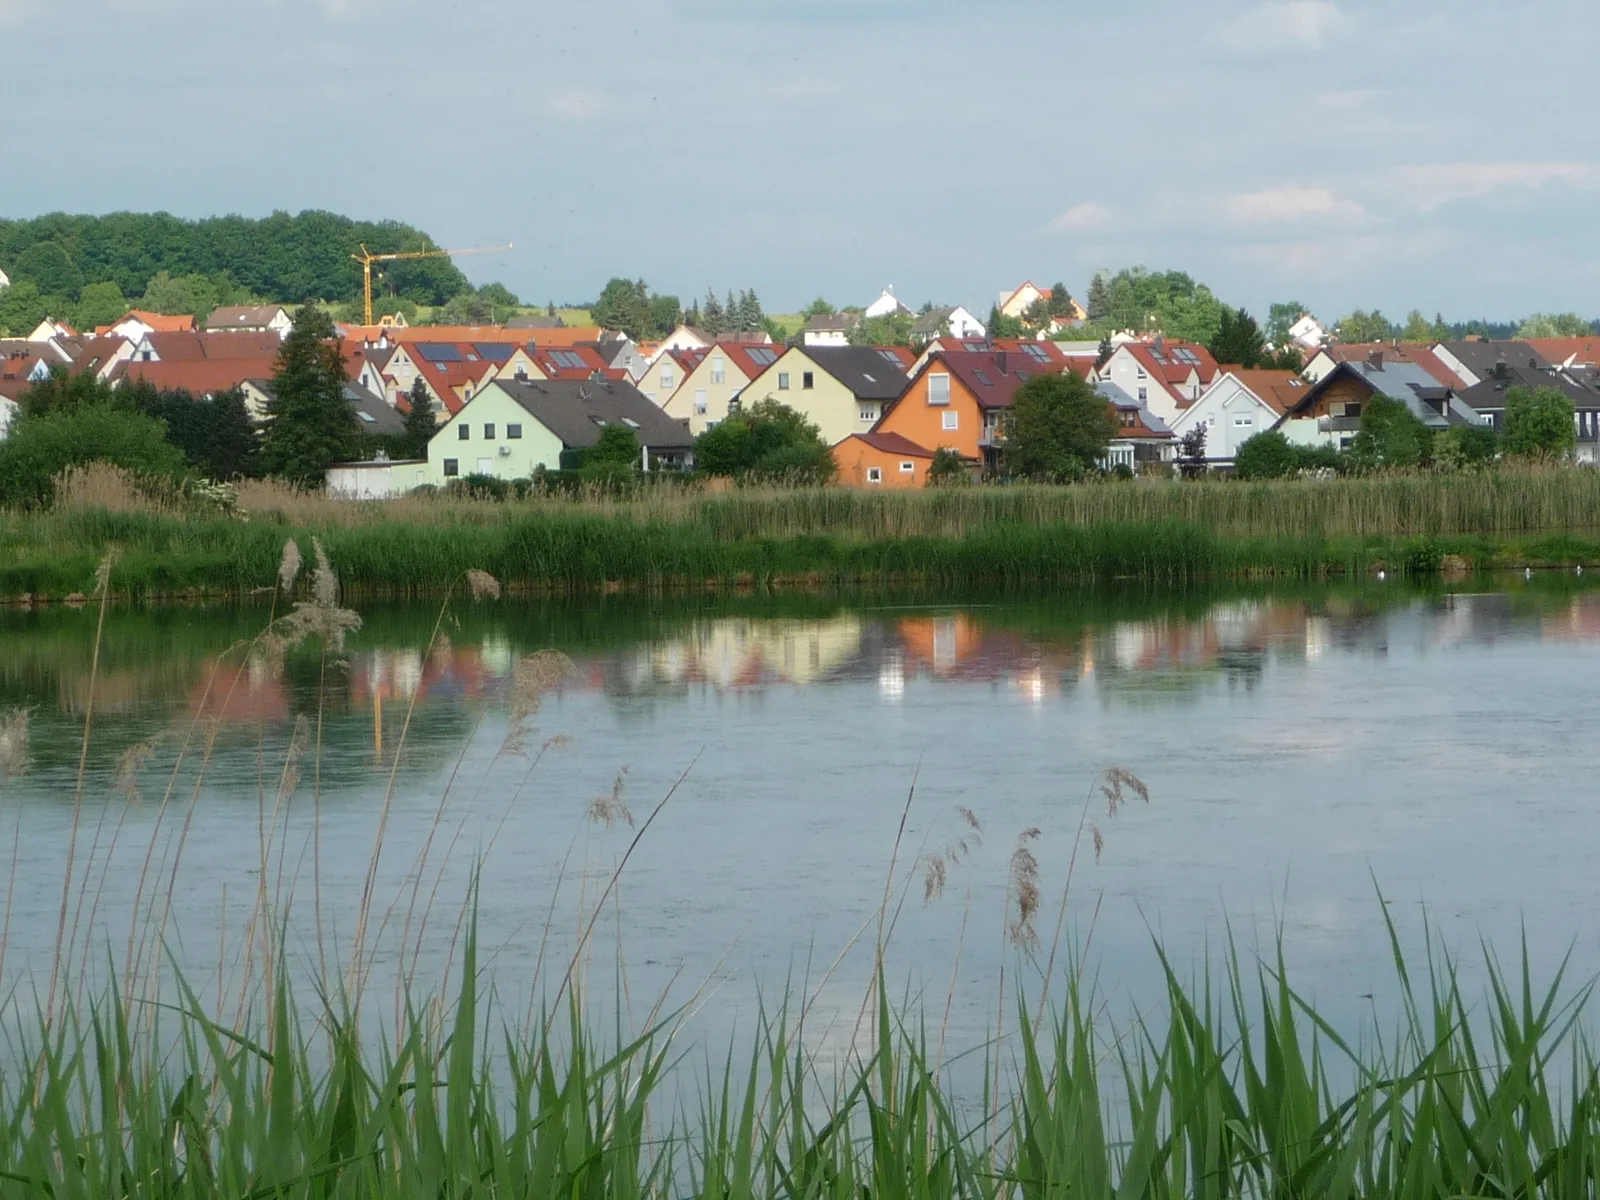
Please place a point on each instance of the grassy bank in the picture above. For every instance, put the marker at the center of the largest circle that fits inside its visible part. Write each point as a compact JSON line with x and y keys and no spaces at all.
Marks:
{"x":669,"y":537}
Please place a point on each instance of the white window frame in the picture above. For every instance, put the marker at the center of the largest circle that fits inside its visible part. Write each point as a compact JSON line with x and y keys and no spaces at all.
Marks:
{"x":951,"y":420}
{"x":700,"y":401}
{"x":938,"y":390}
{"x":719,"y":367}
{"x":868,"y":413}
{"x":907,"y":467}
{"x":667,"y":378}
{"x":874,"y":474}
{"x":1144,"y":394}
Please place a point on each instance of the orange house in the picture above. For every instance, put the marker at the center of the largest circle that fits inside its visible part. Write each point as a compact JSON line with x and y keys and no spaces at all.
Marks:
{"x":881,"y":460}
{"x":958,"y":400}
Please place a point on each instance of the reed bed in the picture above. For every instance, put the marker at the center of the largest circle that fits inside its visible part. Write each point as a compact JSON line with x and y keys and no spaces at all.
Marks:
{"x":128,"y":1082}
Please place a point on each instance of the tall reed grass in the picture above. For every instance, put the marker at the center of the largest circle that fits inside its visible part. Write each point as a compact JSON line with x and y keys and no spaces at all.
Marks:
{"x":127,"y":1081}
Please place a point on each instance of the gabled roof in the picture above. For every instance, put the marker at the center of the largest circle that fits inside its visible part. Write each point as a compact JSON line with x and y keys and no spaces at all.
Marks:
{"x":893,"y":443}
{"x":1170,"y":362}
{"x":536,"y":322}
{"x":1480,"y":357}
{"x":864,"y":371}
{"x":192,"y":345}
{"x":199,"y":376}
{"x":1406,"y":382}
{"x":573,"y":362}
{"x":159,"y":322}
{"x":749,"y":358}
{"x":1419,"y":353}
{"x":1491,"y":393}
{"x":243,"y":316}
{"x":932,"y":322}
{"x":832,"y":323}
{"x":992,"y":377}
{"x":372,"y":410}
{"x":1578,"y":351}
{"x":577,"y":410}
{"x":1278,"y":390}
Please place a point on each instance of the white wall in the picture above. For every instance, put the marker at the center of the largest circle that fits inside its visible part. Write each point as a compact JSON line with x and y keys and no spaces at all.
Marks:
{"x":1221,"y":410}
{"x":376,"y":481}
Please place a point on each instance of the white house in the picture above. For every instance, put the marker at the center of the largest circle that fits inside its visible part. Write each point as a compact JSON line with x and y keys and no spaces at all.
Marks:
{"x":1168,"y":376}
{"x":50,"y":330}
{"x":8,"y":410}
{"x":829,"y":329}
{"x":947,"y":321}
{"x":1308,"y":333}
{"x":1239,"y":405}
{"x":887,"y":305}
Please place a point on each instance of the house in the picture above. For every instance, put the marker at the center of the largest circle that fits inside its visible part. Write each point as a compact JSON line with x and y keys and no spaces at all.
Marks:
{"x":1141,"y":437}
{"x":1166,"y":376}
{"x":1476,"y":361}
{"x":882,"y":460}
{"x":538,"y":321}
{"x":574,"y":362}
{"x":1420,"y":353}
{"x":665,"y":375}
{"x":1329,"y":413}
{"x":620,"y":354}
{"x":5,"y":280}
{"x":509,"y":430}
{"x":946,"y":321}
{"x":376,"y":417}
{"x":1017,"y":303}
{"x":192,"y":346}
{"x":1575,"y":354}
{"x":1488,"y":400}
{"x":51,"y":330}
{"x":887,"y":305}
{"x":1307,"y":334}
{"x":1047,"y":355}
{"x":840,"y":389}
{"x":687,"y":337}
{"x":719,"y":374}
{"x":1239,"y":405}
{"x":8,"y":412}
{"x":100,"y":356}
{"x":829,"y":329}
{"x":251,"y":318}
{"x":380,"y":479}
{"x":138,"y":323}
{"x":198,"y":376}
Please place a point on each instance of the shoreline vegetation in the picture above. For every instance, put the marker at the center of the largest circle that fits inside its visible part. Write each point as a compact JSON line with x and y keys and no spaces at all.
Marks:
{"x":300,"y":1079}
{"x":667,"y":536}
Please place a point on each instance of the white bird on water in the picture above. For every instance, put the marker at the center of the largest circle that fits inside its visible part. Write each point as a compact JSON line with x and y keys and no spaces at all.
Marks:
{"x":1527,"y":572}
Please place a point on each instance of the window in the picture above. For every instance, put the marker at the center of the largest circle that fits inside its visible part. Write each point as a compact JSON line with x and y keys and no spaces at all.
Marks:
{"x":630,"y":422}
{"x":938,"y":389}
{"x":869,"y":413}
{"x":488,"y":433}
{"x":908,"y":468}
{"x":1144,"y":394}
{"x":464,"y":431}
{"x":1143,"y":374}
{"x":718,"y":366}
{"x":808,"y":380}
{"x":1212,"y":421}
{"x":514,"y":432}
{"x":874,"y":474}
{"x":452,"y":466}
{"x":783,"y":381}
{"x":1036,"y":352}
{"x":952,"y":420}
{"x":367,"y":417}
{"x":700,"y":401}
{"x":1243,"y":422}
{"x":762,"y":356}
{"x":666,"y":377}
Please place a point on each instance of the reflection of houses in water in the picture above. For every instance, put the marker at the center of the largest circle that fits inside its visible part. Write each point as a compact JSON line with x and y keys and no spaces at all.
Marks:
{"x":1576,"y":621}
{"x":738,"y":652}
{"x":252,"y":692}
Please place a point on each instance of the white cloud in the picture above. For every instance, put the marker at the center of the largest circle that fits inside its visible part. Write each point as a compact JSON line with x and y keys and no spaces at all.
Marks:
{"x":1289,"y":204}
{"x":1427,"y":187}
{"x":1082,"y":216}
{"x":1280,"y":25}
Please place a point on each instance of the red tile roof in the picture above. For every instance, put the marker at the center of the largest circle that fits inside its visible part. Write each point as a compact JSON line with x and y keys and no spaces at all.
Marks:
{"x":567,"y":369}
{"x":201,"y":377}
{"x":1278,"y":390}
{"x":160,"y":322}
{"x":190,"y":344}
{"x":992,"y":377}
{"x":894,"y":443}
{"x":1580,"y":350}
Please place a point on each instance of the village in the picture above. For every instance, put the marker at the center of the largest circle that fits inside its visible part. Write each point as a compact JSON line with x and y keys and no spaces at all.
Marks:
{"x":531,"y":395}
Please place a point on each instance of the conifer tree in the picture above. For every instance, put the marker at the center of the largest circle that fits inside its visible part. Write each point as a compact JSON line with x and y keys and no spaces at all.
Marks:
{"x":310,"y":425}
{"x":421,"y":424}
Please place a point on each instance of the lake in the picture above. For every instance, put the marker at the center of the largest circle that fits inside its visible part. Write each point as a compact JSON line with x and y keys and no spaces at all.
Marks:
{"x":1303,"y":748}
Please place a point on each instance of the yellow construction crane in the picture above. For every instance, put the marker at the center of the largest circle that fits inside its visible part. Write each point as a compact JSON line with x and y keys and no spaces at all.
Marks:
{"x":366,"y":258}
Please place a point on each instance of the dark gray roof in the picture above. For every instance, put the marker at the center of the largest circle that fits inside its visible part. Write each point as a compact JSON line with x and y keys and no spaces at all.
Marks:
{"x":577,"y":410}
{"x":1491,"y":393}
{"x":861,"y":369}
{"x":1435,"y":406}
{"x":242,"y":316}
{"x":931,"y":324}
{"x":372,"y":410}
{"x":1480,"y":357}
{"x":833,"y":323}
{"x":539,"y":322}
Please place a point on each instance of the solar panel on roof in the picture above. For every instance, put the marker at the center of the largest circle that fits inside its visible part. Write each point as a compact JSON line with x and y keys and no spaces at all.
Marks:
{"x":1037,"y":353}
{"x":762,"y":356}
{"x":495,"y":351}
{"x":438,"y":352}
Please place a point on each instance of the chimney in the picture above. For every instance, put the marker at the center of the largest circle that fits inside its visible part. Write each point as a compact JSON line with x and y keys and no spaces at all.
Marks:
{"x":1161,"y":345}
{"x":1502,"y":369}
{"x":1374,"y":360}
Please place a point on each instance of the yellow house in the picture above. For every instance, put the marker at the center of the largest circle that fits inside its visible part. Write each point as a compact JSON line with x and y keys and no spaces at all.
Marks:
{"x":841,"y":390}
{"x":511,"y":428}
{"x":721,"y":372}
{"x":666,"y":373}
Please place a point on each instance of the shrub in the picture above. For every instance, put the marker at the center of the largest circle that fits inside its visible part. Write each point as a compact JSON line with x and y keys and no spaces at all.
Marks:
{"x":1539,"y":423}
{"x":1390,"y":436}
{"x":1464,"y":446}
{"x":41,"y":447}
{"x":948,"y":469}
{"x":1265,"y":456}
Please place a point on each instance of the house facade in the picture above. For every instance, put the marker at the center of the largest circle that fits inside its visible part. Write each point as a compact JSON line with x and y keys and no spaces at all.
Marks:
{"x":829,"y":329}
{"x":887,"y":305}
{"x":1238,"y":406}
{"x":666,"y":374}
{"x":1329,"y":413}
{"x":720,"y":373}
{"x":840,"y":389}
{"x":947,"y":321}
{"x":251,"y":318}
{"x":881,"y":460}
{"x":1167,"y":376}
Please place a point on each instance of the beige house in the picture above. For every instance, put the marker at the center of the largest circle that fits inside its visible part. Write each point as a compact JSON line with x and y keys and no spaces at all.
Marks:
{"x":840,"y":389}
{"x":666,"y":373}
{"x":721,"y":373}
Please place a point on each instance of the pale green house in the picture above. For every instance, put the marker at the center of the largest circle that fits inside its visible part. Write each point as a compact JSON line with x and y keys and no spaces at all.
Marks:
{"x":511,"y":428}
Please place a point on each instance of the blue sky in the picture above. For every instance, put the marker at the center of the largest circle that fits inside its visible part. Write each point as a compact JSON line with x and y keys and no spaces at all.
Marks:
{"x":1341,"y":152}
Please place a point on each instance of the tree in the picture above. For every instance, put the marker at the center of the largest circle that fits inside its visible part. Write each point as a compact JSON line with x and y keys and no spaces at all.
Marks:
{"x":99,"y":304}
{"x":499,"y":296}
{"x":892,"y":329}
{"x":1361,"y":326}
{"x":664,"y":315}
{"x":1103,"y":355}
{"x":818,"y":308}
{"x":1281,"y":317}
{"x":1539,"y":423}
{"x":1002,"y":326}
{"x":1417,"y":328}
{"x":624,"y":305}
{"x":23,"y":306}
{"x":1391,"y":435}
{"x":1554,"y":325}
{"x":1192,"y":452}
{"x":1238,"y":341}
{"x":1099,"y":305}
{"x":769,"y":440}
{"x":713,"y":319}
{"x":40,"y":447}
{"x":310,"y":425}
{"x":1060,"y":302}
{"x":214,"y":433}
{"x":192,"y":295}
{"x":421,"y":423}
{"x":615,"y":447}
{"x":948,"y":469}
{"x":1267,"y":455}
{"x":1168,"y":301}
{"x":468,"y":308}
{"x":67,"y":392}
{"x":1058,"y":428}
{"x":1285,"y":358}
{"x":48,"y":266}
{"x":1464,"y":446}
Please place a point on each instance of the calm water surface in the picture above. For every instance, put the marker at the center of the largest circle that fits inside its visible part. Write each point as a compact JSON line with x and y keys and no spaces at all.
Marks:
{"x":1302,"y":749}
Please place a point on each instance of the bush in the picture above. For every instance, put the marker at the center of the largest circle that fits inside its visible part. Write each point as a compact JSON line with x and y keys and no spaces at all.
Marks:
{"x":1464,"y":446}
{"x":41,"y":447}
{"x":1266,"y":456}
{"x":1390,"y":436}
{"x":769,"y":441}
{"x":1058,"y":428}
{"x":1539,"y":423}
{"x":948,"y":469}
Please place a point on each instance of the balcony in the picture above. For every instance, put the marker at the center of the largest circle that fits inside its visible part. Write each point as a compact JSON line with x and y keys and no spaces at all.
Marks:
{"x":992,"y":437}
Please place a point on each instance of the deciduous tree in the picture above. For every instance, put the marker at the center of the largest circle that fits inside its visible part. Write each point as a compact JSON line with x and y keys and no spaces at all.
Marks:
{"x":1058,"y":428}
{"x":1539,"y":423}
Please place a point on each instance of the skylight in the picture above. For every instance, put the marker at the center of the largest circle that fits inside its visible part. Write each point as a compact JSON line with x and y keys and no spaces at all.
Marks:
{"x":889,"y":356}
{"x":762,"y":356}
{"x":983,"y":379}
{"x":1036,"y":352}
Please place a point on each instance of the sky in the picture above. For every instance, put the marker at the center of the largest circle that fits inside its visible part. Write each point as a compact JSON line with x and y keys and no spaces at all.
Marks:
{"x":1436,"y":154}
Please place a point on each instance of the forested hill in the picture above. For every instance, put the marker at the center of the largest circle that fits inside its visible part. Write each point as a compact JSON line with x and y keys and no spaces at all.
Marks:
{"x":283,"y":258}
